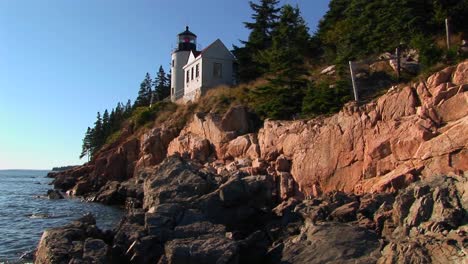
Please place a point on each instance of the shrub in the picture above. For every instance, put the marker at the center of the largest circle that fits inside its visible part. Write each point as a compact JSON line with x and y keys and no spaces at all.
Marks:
{"x":324,"y":98}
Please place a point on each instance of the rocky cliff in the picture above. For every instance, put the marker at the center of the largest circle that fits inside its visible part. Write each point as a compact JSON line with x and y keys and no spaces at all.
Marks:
{"x":391,"y":173}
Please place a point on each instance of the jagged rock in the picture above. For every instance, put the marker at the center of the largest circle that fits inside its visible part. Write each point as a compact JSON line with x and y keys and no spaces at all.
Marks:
{"x":282,"y":164}
{"x":153,"y":149}
{"x":331,"y":243}
{"x":201,"y":250}
{"x":109,"y":194}
{"x":243,"y":146}
{"x":345,"y":213}
{"x":198,"y":229}
{"x":161,"y":220}
{"x":217,"y":131}
{"x":72,"y":242}
{"x":82,"y":187}
{"x":254,"y":248}
{"x":54,"y":195}
{"x":65,"y":180}
{"x":286,"y":185}
{"x":95,"y":251}
{"x":460,"y":75}
{"x":174,"y":181}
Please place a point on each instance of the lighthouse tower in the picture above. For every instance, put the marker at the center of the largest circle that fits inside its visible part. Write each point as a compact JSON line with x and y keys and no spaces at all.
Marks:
{"x":187,"y":42}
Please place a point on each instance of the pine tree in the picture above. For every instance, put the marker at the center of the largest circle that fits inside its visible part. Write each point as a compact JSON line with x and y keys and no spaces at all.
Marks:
{"x":290,"y":44}
{"x":106,"y":128}
{"x":145,"y":92}
{"x":161,"y":85}
{"x":128,"y":108}
{"x":98,"y":134}
{"x":281,"y":98}
{"x":265,"y":17}
{"x":86,"y":148}
{"x":112,"y":122}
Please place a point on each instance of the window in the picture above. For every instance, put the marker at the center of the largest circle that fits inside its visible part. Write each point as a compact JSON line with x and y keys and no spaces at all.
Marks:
{"x":217,"y":70}
{"x":187,"y":77}
{"x":192,"y":73}
{"x":172,"y":63}
{"x":197,"y":71}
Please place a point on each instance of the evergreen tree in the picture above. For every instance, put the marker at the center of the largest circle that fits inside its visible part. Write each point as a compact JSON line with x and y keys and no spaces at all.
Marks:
{"x":354,"y":29}
{"x":86,"y":148}
{"x":265,"y":18}
{"x":161,"y":85}
{"x":112,"y":121}
{"x":98,"y":133}
{"x":290,"y":45}
{"x":145,"y":92}
{"x":128,"y":108}
{"x":282,"y":97}
{"x":106,"y":128}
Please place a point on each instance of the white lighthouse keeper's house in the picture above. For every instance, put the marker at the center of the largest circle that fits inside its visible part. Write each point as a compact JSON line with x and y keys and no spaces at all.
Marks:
{"x":194,"y":72}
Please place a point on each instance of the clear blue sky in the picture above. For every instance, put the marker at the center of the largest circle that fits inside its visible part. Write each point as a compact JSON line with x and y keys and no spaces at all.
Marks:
{"x":61,"y":61}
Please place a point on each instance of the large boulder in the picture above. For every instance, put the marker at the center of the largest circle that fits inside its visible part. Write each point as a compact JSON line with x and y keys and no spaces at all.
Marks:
{"x":201,"y":250}
{"x":81,"y":241}
{"x":153,"y":146}
{"x":211,"y":130}
{"x":176,"y":181}
{"x":331,"y":243}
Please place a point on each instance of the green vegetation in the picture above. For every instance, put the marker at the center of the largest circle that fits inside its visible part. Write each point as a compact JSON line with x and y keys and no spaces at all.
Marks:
{"x":104,"y":127}
{"x":280,"y":50}
{"x":143,"y":116}
{"x":355,"y":29}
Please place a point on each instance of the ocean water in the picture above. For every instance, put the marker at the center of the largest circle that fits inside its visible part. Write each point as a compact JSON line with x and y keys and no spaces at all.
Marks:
{"x":25,"y":212}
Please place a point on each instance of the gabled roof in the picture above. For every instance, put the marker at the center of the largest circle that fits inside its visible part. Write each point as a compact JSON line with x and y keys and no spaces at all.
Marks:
{"x":217,"y":49}
{"x":217,"y":44}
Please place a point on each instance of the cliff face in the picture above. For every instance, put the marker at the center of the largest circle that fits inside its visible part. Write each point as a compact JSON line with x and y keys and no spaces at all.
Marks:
{"x":411,"y":132}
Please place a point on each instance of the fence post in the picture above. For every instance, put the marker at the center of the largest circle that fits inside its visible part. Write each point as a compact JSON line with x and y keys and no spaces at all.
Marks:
{"x":356,"y":98}
{"x":151,"y":100}
{"x":447,"y":32}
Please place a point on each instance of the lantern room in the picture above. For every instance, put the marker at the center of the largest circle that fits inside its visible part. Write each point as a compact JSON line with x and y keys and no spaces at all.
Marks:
{"x":187,"y":41}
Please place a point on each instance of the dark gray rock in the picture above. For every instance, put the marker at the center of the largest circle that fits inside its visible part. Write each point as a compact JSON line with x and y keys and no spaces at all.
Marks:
{"x":95,"y":251}
{"x":64,"y":244}
{"x":331,"y":243}
{"x":203,"y":250}
{"x":54,"y":194}
{"x":345,"y":213}
{"x":109,"y":194}
{"x":175,"y":181}
{"x":199,"y":229}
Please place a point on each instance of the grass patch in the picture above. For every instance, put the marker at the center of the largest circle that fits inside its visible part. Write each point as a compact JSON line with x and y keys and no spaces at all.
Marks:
{"x":113,"y":137}
{"x":146,"y":116}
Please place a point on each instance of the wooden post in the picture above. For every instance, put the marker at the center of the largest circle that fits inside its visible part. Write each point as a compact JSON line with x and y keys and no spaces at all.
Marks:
{"x":356,"y":98}
{"x":151,"y":100}
{"x":447,"y":32}
{"x":398,"y":61}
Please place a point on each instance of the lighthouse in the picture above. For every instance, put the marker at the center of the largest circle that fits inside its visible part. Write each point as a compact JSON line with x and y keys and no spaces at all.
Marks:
{"x":187,"y":42}
{"x":194,"y":72}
